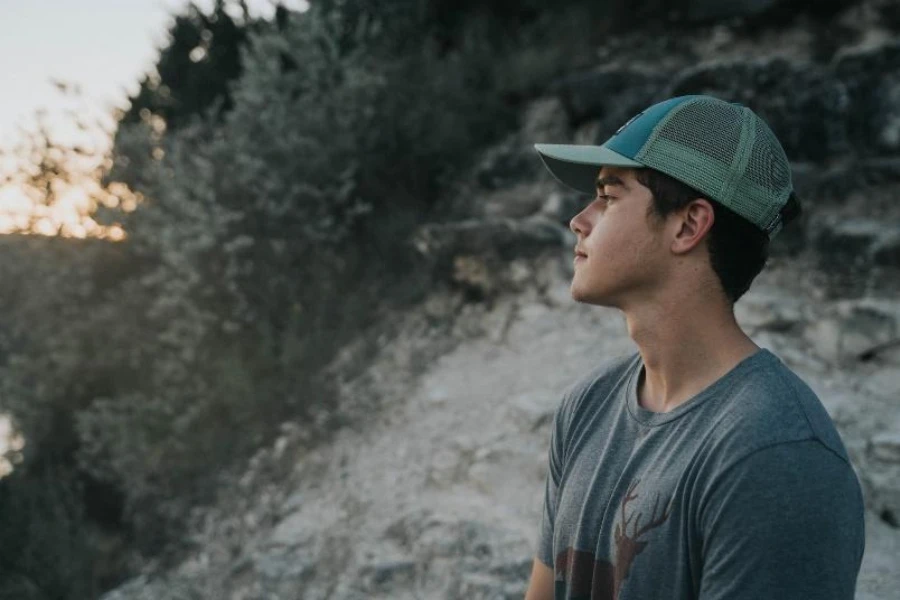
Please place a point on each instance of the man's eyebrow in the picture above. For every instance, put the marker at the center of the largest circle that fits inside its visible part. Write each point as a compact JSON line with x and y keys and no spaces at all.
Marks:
{"x":609,"y":180}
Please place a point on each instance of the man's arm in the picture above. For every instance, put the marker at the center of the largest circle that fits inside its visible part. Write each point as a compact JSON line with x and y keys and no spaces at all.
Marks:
{"x":785,"y":522}
{"x":540,"y":586}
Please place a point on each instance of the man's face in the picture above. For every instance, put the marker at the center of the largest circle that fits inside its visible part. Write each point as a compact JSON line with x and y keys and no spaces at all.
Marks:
{"x":619,"y":255}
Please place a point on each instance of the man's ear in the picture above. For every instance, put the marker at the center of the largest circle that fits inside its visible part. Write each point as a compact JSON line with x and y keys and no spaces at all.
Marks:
{"x":693,"y":223}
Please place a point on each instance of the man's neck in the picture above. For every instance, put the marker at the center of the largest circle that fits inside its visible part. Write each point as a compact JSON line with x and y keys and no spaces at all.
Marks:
{"x":686,"y":345}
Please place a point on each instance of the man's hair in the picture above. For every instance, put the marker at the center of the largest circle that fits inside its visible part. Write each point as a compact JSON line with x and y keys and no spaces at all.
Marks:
{"x":738,"y":249}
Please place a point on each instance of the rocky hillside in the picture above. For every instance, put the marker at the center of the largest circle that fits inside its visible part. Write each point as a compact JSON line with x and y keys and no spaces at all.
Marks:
{"x":437,"y":494}
{"x":431,"y":484}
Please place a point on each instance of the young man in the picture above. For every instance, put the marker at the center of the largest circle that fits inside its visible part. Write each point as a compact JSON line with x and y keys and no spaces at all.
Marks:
{"x":700,"y":467}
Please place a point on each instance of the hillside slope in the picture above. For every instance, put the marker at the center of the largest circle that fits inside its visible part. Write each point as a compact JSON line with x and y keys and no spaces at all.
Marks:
{"x":438,"y":494}
{"x":431,"y":485}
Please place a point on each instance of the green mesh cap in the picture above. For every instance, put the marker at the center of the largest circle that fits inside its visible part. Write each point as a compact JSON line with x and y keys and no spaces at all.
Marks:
{"x":722,"y":149}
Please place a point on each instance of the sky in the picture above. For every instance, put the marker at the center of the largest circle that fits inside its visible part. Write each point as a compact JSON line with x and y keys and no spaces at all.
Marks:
{"x":100,"y":47}
{"x":103,"y":46}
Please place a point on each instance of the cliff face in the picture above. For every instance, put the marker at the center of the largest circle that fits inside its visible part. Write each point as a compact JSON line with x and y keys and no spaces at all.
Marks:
{"x":432,"y":485}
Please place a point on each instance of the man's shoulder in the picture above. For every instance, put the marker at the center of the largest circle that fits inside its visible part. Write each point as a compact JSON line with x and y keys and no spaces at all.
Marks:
{"x":598,"y":381}
{"x":773,"y":405}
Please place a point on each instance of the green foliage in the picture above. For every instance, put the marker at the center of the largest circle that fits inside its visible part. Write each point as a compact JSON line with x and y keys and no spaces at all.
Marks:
{"x":194,"y":69}
{"x":279,"y":191}
{"x":44,"y":553}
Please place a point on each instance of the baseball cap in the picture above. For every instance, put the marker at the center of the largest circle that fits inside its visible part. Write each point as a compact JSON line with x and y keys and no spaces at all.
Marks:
{"x":722,"y":149}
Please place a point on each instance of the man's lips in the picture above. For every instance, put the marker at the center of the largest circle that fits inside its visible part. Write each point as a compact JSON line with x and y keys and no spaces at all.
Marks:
{"x":579,"y":254}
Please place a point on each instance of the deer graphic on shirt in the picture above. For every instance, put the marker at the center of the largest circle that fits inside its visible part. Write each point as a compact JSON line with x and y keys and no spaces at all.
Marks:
{"x":629,"y":546}
{"x":584,"y":577}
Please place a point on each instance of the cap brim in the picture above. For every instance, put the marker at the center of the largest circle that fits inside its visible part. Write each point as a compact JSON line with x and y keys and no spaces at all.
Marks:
{"x":577,"y":165}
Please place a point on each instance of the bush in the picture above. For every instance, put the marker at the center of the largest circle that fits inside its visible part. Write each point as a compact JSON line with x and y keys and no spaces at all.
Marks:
{"x":45,"y":553}
{"x":273,"y":225}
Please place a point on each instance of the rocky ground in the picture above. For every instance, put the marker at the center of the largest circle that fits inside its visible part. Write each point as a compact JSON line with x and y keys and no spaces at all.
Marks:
{"x":431,"y":485}
{"x":437,"y":494}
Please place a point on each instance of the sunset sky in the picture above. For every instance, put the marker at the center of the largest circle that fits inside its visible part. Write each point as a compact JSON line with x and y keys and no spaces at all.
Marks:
{"x":101,"y":46}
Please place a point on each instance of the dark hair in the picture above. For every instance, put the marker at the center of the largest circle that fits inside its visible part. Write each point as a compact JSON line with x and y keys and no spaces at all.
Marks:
{"x":738,"y":249}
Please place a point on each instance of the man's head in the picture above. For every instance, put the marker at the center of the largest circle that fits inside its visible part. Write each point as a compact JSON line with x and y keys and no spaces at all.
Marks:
{"x":712,"y":179}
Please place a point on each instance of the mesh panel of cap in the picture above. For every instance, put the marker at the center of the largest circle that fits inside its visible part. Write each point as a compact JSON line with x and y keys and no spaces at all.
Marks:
{"x":768,"y":169}
{"x":725,"y":151}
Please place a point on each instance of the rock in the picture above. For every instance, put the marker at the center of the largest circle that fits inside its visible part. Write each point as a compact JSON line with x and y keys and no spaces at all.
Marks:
{"x":533,"y":409}
{"x":889,"y":97}
{"x":885,"y":250}
{"x":885,"y":381}
{"x":886,"y":446}
{"x":838,"y":181}
{"x":816,"y":112}
{"x":857,"y":242}
{"x":865,"y":329}
{"x":480,"y":255}
{"x":479,"y":586}
{"x":515,"y":570}
{"x":609,"y":96}
{"x":767,"y":312}
{"x":386,"y":574}
{"x":879,"y":577}
{"x":804,"y":105}
{"x":505,"y":237}
{"x":278,"y":565}
{"x":561,"y":205}
{"x":506,"y":164}
{"x":792,"y":239}
{"x":295,"y":530}
{"x":545,"y":120}
{"x":871,"y":79}
{"x":884,"y":491}
{"x":707,"y":10}
{"x":850,"y":330}
{"x":293,"y":503}
{"x":698,"y":11}
{"x":848,"y":241}
{"x":516,"y":202}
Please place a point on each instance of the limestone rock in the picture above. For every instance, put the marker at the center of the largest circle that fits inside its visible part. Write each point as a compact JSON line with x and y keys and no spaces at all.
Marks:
{"x":850,"y":331}
{"x":507,"y":163}
{"x":515,"y":201}
{"x":804,"y":105}
{"x":886,"y":447}
{"x":506,"y":237}
{"x":609,"y":96}
{"x":858,"y":242}
{"x":545,"y":120}
{"x":871,"y":78}
{"x":885,"y":250}
{"x":561,"y":205}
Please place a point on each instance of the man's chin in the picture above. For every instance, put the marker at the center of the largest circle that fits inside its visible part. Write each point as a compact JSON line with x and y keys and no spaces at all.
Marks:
{"x":579,"y":294}
{"x":588,"y":296}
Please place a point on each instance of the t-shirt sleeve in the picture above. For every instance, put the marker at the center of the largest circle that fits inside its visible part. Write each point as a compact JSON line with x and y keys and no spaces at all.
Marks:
{"x":785,"y":522}
{"x":554,"y":474}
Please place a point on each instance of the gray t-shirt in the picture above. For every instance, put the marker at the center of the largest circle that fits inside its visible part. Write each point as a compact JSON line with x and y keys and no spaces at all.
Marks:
{"x":744,"y":491}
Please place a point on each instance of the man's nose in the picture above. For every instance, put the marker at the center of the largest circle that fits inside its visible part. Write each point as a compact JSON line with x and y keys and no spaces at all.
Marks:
{"x":579,"y":224}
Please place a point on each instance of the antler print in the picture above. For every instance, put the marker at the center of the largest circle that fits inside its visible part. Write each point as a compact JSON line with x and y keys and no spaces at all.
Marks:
{"x":628,"y":498}
{"x":654,"y":520}
{"x":629,"y":546}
